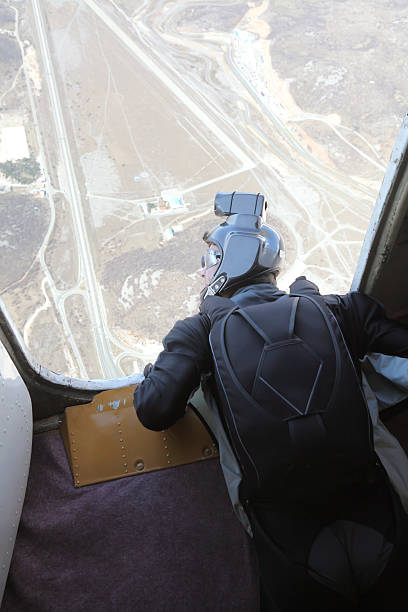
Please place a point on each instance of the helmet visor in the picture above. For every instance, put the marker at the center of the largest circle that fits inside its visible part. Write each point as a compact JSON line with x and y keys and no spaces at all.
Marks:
{"x":210,"y":259}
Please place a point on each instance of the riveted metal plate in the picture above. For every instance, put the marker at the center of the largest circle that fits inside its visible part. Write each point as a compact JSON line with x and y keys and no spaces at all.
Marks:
{"x":105,"y":440}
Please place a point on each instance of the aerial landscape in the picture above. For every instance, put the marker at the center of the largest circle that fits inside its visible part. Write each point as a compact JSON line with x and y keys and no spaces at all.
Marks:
{"x":120,"y":121}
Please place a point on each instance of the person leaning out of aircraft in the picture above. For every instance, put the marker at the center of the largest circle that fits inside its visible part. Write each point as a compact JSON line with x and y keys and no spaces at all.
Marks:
{"x":281,"y":378}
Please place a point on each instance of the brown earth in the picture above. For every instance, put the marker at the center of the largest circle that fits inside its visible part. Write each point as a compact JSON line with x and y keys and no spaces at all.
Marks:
{"x":6,"y":18}
{"x":218,"y":17}
{"x":80,"y":323}
{"x":24,"y":221}
{"x":311,"y":43}
{"x":49,"y":346}
{"x":10,"y":61}
{"x":24,"y":296}
{"x":61,"y":253}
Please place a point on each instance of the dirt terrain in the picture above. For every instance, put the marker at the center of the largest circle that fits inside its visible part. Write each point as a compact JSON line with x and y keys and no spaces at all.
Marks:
{"x":24,"y":222}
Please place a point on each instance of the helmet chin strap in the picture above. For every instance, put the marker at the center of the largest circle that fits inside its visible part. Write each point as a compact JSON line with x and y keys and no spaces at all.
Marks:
{"x":214,"y":287}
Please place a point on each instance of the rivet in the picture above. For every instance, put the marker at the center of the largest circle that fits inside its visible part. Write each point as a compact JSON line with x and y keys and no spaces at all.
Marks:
{"x":139,"y":465}
{"x":120,"y":439}
{"x":123,"y":456}
{"x":126,"y":471}
{"x":169,"y":462}
{"x":167,"y":454}
{"x":125,"y":464}
{"x":207,"y":451}
{"x":122,"y":447}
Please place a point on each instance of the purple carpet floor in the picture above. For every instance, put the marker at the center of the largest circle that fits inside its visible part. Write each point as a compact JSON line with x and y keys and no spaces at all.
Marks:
{"x":167,"y":541}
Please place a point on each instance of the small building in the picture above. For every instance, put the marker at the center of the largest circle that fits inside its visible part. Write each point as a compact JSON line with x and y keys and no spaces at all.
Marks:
{"x":168,"y":234}
{"x":173,"y":198}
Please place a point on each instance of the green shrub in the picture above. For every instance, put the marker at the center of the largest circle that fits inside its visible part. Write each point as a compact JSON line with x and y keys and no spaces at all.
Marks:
{"x":23,"y":171}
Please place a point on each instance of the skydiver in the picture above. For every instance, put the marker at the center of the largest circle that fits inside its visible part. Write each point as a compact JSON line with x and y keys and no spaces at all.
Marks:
{"x":281,"y":373}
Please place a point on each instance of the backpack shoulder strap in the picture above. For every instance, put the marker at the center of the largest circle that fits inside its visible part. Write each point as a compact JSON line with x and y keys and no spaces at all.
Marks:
{"x":216,"y":307}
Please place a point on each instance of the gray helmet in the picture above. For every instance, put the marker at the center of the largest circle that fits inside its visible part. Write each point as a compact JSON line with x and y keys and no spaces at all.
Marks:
{"x":248,"y":247}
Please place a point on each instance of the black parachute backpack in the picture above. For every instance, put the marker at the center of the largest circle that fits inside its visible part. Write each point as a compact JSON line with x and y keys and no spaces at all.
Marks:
{"x":289,"y":397}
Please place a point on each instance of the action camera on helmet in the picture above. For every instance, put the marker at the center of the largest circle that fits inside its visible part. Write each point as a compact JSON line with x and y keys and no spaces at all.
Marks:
{"x":226,"y":204}
{"x":248,"y":246}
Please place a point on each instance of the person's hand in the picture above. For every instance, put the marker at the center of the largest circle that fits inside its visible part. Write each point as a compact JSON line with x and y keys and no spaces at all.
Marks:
{"x":148,"y":368}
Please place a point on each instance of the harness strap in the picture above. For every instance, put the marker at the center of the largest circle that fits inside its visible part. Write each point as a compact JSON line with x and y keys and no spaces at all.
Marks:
{"x":295,"y":303}
{"x":261,"y":331}
{"x":254,"y":325}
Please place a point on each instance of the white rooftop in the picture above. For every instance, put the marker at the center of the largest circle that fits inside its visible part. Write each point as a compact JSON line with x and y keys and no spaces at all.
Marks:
{"x":13,"y":143}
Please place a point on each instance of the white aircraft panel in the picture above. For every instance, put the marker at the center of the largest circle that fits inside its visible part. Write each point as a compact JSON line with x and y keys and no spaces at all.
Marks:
{"x":16,"y":427}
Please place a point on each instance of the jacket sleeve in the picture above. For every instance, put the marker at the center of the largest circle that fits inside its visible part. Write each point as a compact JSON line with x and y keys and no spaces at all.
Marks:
{"x":363,"y":322}
{"x":366,"y":327}
{"x":161,"y":399}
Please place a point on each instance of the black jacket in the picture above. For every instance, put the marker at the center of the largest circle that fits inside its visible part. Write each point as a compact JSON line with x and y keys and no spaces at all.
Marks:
{"x":160,"y":400}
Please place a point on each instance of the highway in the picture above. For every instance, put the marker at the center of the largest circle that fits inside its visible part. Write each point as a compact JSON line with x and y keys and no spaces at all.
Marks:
{"x":55,"y":293}
{"x":94,"y":296}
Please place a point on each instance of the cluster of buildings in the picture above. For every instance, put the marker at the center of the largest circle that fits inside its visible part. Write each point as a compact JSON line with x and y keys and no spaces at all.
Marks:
{"x":170,"y":201}
{"x":251,"y":62}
